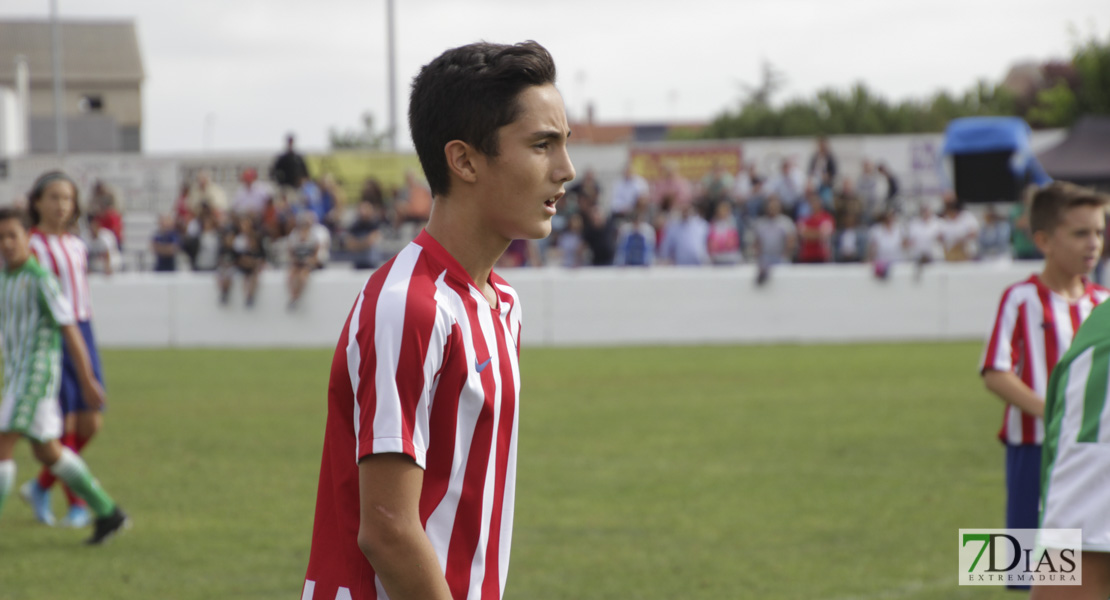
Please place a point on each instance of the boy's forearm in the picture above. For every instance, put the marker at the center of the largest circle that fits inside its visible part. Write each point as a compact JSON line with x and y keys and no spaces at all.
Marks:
{"x":408,"y":567}
{"x":1013,"y":390}
{"x":75,"y":343}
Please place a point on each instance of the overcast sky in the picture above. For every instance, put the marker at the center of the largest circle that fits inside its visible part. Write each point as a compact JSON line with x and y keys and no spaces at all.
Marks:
{"x":230,"y":75}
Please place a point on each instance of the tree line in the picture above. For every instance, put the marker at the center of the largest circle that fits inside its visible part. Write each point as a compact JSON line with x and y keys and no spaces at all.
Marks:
{"x":1062,"y":92}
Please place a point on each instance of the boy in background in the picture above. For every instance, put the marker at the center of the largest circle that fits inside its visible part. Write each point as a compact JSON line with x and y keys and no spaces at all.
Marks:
{"x":34,"y":319}
{"x":1036,"y":322}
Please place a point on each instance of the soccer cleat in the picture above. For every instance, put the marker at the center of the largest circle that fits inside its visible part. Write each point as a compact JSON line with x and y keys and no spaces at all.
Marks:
{"x":39,"y":500}
{"x":78,"y":517}
{"x":104,"y":528}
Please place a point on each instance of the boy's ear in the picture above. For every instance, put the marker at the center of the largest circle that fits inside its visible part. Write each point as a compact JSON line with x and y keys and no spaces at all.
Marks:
{"x":461,"y":160}
{"x":1040,"y":239}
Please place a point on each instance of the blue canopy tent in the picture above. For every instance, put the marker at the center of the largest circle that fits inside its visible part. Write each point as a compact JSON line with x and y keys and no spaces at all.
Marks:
{"x":992,"y":158}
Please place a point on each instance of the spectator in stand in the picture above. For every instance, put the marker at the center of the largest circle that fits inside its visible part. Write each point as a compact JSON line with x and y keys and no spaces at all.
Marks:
{"x":742,"y":185}
{"x":372,"y":192}
{"x":716,"y":187}
{"x":923,"y":242}
{"x":165,"y":244}
{"x":628,"y":193}
{"x":105,"y":209}
{"x":289,"y":168}
{"x":994,"y":238}
{"x":871,"y":189}
{"x":815,"y":231}
{"x":183,"y":213}
{"x":845,"y":203}
{"x":822,"y":170}
{"x":672,"y":191}
{"x":251,"y":197}
{"x":243,"y":253}
{"x":685,"y":239}
{"x":335,"y":199}
{"x":364,"y":235}
{"x":636,"y":241}
{"x":851,"y":239}
{"x":775,"y":239}
{"x":789,"y":187}
{"x":959,"y":230}
{"x":892,"y":188}
{"x":279,"y":216}
{"x":205,"y":191}
{"x":598,"y":232}
{"x":414,"y":201}
{"x":723,"y":244}
{"x":323,"y":242}
{"x":572,"y":249}
{"x":104,"y":256}
{"x":207,"y":234}
{"x":587,"y":190}
{"x":1020,"y":231}
{"x":304,"y":250}
{"x":312,"y":199}
{"x":885,"y":242}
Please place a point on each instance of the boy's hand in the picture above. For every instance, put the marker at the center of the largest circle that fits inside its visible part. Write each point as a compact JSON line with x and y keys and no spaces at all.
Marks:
{"x":93,"y":394}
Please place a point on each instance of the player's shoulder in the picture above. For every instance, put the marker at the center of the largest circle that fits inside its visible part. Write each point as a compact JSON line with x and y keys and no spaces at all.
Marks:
{"x":1022,"y":291}
{"x":405,"y":283}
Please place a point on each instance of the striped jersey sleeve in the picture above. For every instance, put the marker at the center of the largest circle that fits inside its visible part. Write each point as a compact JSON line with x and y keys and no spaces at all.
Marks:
{"x":53,"y":301}
{"x":395,"y":346}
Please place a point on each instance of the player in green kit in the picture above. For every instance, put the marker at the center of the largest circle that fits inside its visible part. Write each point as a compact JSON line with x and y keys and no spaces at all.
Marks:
{"x":1076,"y":464}
{"x":34,"y":319}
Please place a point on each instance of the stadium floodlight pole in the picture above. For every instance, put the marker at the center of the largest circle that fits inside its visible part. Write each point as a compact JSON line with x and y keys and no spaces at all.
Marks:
{"x":59,"y":88}
{"x":392,"y":60}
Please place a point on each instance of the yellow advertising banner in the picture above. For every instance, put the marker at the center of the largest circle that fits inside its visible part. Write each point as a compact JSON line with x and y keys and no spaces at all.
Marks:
{"x":353,"y":168}
{"x":693,"y":162}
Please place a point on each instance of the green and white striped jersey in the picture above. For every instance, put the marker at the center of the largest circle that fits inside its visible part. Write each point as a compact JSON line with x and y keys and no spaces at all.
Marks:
{"x":32,"y":311}
{"x":1076,"y":408}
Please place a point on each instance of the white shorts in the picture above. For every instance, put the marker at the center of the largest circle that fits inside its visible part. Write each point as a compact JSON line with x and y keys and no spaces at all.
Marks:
{"x":1078,"y":493}
{"x":39,"y":420}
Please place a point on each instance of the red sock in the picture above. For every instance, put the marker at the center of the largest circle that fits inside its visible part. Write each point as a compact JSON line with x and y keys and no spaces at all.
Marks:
{"x":46,"y":478}
{"x":78,"y":444}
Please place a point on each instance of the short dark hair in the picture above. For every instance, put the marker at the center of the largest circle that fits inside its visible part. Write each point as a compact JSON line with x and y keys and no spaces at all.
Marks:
{"x":1053,"y":200}
{"x":468,"y":93}
{"x":39,"y":188}
{"x":8,"y":213}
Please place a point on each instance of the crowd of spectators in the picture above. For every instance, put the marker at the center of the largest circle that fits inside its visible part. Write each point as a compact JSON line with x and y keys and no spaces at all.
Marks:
{"x":810,"y":214}
{"x":793,"y":214}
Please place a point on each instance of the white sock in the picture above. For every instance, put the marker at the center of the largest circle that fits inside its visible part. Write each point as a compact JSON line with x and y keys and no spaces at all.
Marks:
{"x":7,"y":479}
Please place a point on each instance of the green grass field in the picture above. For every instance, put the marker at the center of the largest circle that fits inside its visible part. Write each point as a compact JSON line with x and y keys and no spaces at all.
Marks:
{"x":792,"y":472}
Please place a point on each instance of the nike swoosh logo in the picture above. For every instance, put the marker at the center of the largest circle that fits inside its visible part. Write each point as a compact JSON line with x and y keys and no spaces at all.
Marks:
{"x":481,"y":366}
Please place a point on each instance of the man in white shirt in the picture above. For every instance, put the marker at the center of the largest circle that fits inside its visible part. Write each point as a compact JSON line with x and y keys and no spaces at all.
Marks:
{"x":627,"y":193}
{"x":923,"y":236}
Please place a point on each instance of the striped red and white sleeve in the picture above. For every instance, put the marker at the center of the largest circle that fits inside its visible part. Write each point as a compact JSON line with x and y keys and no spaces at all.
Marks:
{"x":1005,"y":335}
{"x":396,"y":345}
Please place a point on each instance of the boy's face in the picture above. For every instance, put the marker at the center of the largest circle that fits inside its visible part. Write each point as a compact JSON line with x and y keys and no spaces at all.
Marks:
{"x":14,"y":242}
{"x":1075,"y":244}
{"x":520,"y":186}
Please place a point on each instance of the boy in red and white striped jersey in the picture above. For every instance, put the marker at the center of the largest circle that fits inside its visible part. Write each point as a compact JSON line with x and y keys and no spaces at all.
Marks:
{"x":1035,"y":325}
{"x":416,"y":489}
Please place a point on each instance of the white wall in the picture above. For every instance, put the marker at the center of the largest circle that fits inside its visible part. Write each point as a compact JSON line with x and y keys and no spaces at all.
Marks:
{"x":587,"y":306}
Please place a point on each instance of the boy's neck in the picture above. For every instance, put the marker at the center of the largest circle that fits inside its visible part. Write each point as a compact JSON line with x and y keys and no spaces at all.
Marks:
{"x":1066,"y":284}
{"x":16,"y":265}
{"x":476,"y":250}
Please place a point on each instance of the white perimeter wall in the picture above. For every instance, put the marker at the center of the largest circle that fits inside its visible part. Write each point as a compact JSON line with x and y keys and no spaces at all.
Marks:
{"x":822,"y":303}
